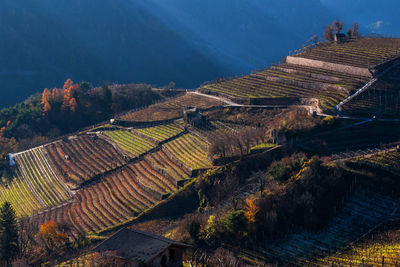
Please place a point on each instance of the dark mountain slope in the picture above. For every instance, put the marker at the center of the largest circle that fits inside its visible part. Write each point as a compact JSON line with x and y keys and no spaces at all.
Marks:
{"x":44,"y":42}
{"x":243,"y":35}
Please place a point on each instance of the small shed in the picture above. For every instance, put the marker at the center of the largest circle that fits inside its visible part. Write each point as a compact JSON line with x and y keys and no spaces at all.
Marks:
{"x":136,"y":248}
{"x":339,"y":37}
{"x":193,"y":116}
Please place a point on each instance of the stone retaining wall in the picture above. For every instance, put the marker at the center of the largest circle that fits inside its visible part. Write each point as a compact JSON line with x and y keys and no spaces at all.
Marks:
{"x":329,"y":66}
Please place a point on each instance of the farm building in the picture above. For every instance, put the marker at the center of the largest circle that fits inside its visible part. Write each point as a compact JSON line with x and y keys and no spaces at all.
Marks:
{"x":192,"y":116}
{"x":136,"y":248}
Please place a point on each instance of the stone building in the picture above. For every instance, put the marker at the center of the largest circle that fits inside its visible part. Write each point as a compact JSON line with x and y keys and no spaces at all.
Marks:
{"x":133,"y":248}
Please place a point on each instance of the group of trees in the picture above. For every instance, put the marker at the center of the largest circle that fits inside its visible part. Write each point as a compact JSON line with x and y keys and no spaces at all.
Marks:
{"x":233,"y":143}
{"x":61,"y":110}
{"x":337,"y":27}
{"x":304,"y":195}
{"x":21,"y":241}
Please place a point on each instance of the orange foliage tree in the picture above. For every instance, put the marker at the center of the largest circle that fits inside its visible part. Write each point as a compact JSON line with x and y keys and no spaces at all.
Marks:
{"x":72,"y":104}
{"x":69,"y":90}
{"x":46,"y":98}
{"x":251,"y":210}
{"x":51,"y":237}
{"x":2,"y":131}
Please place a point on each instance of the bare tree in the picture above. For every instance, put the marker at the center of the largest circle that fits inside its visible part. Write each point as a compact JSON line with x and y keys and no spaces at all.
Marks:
{"x":328,"y":33}
{"x":354,"y":32}
{"x":337,"y":26}
{"x":26,"y":235}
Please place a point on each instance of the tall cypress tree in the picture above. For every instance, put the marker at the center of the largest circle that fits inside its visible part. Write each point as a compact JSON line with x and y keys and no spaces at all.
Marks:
{"x":9,"y":248}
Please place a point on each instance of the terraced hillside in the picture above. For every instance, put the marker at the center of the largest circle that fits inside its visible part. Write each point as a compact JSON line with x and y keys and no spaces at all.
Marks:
{"x":190,"y":150}
{"x":161,"y":132}
{"x":171,"y":109}
{"x":135,"y":145}
{"x":121,"y":195}
{"x":80,"y":158}
{"x":360,"y":52}
{"x":373,"y":251}
{"x":361,"y":213}
{"x":364,"y":135}
{"x":329,"y":72}
{"x":115,"y":191}
{"x":388,"y":161}
{"x":290,"y":81}
{"x":381,"y":100}
{"x":35,"y":186}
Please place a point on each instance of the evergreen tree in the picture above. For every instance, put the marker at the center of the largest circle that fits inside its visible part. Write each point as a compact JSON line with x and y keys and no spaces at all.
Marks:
{"x":9,"y":248}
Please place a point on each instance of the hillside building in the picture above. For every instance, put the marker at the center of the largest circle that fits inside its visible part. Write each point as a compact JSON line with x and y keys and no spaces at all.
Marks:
{"x":193,"y":117}
{"x":339,"y":37}
{"x":135,"y":248}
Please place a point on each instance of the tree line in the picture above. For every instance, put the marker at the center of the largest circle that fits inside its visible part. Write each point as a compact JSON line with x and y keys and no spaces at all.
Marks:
{"x":336,"y":27}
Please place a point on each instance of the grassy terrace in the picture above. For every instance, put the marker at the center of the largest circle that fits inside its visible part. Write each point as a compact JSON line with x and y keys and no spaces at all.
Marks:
{"x":79,"y":159}
{"x":21,"y":197}
{"x":170,"y":109}
{"x":361,"y":52}
{"x":162,"y":132}
{"x":216,"y":128}
{"x":35,"y":186}
{"x":190,"y":150}
{"x":130,"y":142}
{"x":288,"y":80}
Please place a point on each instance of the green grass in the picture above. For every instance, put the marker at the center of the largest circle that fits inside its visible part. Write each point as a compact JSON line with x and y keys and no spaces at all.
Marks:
{"x":190,"y":150}
{"x":160,"y":133}
{"x":130,"y":142}
{"x":34,"y":186}
{"x":263,"y":146}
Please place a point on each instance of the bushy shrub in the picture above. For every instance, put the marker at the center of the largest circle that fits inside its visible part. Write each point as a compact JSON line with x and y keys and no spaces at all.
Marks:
{"x":287,"y":167}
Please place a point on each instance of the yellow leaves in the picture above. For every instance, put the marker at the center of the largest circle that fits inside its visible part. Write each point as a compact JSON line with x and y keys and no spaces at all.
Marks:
{"x":211,"y":220}
{"x":51,"y":235}
{"x":251,"y":210}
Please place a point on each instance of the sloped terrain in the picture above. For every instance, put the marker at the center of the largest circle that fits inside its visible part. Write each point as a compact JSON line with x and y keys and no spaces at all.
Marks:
{"x":361,"y":213}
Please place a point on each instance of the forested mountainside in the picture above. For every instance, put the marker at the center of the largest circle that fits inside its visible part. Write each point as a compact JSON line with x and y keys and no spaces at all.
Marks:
{"x":188,"y":42}
{"x":45,"y":42}
{"x":156,"y":42}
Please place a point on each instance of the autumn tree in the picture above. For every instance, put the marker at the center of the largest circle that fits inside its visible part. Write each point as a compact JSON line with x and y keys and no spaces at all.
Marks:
{"x":354,"y":32}
{"x":72,"y":104}
{"x":337,"y":26}
{"x":328,"y":33}
{"x":67,"y":84}
{"x":9,"y":247}
{"x":26,"y":234}
{"x":46,"y":98}
{"x":51,"y":238}
{"x":251,"y":210}
{"x":65,"y":103}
